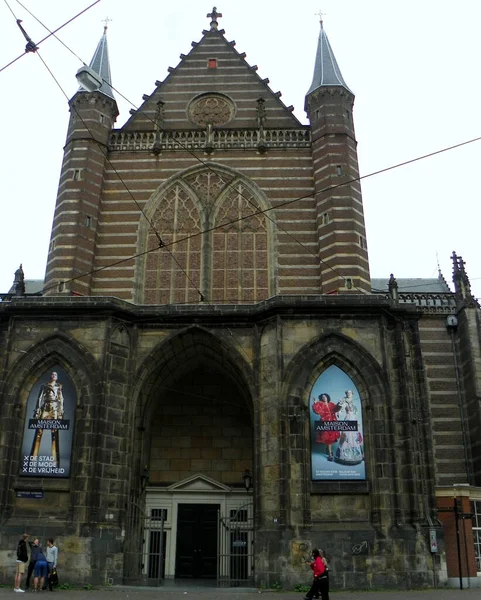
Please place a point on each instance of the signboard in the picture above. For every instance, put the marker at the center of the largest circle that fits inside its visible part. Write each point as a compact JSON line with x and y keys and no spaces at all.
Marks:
{"x":433,"y":540}
{"x":28,"y":494}
{"x":48,"y":430}
{"x":337,"y":436}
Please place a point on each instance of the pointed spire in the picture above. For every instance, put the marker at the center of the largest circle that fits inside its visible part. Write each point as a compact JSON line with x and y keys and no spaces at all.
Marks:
{"x":101,"y":65}
{"x":326,"y":69}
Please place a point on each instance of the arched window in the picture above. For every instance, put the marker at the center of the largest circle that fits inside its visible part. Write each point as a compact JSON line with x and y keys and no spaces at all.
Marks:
{"x":228,"y":262}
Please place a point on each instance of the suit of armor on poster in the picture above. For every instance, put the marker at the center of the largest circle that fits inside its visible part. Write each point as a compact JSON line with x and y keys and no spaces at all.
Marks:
{"x":49,"y":406}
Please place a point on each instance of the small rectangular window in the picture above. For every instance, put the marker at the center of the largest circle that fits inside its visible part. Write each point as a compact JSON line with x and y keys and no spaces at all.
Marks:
{"x":325,"y":218}
{"x":77,"y":174}
{"x":102,"y":118}
{"x":362,"y":242}
{"x":88,"y":221}
{"x":212,"y":63}
{"x":348,"y":283}
{"x":339,"y":170}
{"x":53,"y":243}
{"x":159,"y":513}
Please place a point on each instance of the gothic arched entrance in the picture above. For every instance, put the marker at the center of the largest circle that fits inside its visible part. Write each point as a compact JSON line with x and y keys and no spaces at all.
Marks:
{"x":196,"y":444}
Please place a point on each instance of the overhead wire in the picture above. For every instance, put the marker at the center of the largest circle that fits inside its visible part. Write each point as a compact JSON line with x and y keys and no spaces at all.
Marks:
{"x":162,"y":245}
{"x":223,"y":225}
{"x":204,"y":163}
{"x":160,"y":241}
{"x":50,"y":34}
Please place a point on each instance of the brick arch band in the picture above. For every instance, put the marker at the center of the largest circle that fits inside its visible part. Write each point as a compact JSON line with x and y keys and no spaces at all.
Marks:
{"x":179,"y":354}
{"x":373,"y":388}
{"x":83,"y":370}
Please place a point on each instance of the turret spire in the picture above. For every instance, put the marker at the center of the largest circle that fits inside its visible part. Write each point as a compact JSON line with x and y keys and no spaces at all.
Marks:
{"x":101,"y":65}
{"x":326,"y":69}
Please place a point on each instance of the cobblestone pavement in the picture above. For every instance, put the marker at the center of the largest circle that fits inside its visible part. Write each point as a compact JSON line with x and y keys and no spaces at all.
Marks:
{"x":206,"y":593}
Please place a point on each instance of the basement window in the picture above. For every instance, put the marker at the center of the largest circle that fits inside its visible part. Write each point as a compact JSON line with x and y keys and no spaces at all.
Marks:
{"x":212,"y":63}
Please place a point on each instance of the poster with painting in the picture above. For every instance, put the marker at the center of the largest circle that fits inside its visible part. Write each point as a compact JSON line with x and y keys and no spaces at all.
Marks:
{"x":337,"y":436}
{"x":48,"y":429}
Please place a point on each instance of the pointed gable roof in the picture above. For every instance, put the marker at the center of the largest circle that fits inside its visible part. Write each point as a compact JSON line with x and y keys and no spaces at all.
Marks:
{"x":326,"y":69}
{"x":101,"y":65}
{"x":213,"y":66}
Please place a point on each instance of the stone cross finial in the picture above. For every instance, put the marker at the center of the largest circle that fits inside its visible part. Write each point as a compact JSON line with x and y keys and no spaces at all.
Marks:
{"x":106,"y":21}
{"x":213,"y":16}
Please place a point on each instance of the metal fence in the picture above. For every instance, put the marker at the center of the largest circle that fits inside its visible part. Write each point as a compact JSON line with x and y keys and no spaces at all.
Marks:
{"x":144,"y":550}
{"x":235,"y":548}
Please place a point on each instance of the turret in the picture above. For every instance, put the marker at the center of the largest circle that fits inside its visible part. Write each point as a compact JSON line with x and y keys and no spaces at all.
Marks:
{"x":72,"y":242}
{"x":340,"y":218}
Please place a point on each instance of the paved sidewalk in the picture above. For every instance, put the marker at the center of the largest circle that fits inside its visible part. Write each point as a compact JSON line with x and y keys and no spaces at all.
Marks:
{"x":203,"y":593}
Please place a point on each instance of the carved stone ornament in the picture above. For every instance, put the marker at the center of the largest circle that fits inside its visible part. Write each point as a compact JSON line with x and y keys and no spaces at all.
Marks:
{"x":211,"y":109}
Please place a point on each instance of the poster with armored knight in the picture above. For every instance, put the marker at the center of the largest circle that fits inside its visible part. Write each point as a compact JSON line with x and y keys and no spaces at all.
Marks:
{"x":48,"y":429}
{"x":337,"y":436}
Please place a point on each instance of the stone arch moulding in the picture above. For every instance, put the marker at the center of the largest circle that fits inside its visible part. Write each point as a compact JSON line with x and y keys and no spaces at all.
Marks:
{"x":163,"y":359}
{"x":181,"y":342}
{"x":333,"y":349}
{"x":206,"y":217}
{"x":83,"y":370}
{"x":367,"y":375}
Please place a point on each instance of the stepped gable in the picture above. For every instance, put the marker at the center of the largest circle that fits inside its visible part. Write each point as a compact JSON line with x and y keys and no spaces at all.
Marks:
{"x":213,"y":66}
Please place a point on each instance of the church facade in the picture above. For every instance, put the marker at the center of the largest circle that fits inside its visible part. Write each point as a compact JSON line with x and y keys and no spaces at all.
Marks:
{"x":210,"y":384}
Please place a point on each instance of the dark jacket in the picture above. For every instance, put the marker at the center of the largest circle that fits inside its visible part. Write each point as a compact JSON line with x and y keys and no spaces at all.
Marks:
{"x":34,"y":552}
{"x":22,"y":553}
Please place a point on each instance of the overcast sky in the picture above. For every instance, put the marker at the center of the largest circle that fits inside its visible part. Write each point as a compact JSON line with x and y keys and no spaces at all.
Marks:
{"x":414,"y":67}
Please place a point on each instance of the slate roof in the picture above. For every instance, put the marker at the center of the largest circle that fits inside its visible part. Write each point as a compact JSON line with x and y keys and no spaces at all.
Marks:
{"x":326,"y":69}
{"x":101,"y":65}
{"x":414,"y":285}
{"x":32,"y":286}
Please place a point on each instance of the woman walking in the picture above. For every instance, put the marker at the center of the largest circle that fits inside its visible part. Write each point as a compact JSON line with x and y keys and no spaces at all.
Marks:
{"x":318,"y":569}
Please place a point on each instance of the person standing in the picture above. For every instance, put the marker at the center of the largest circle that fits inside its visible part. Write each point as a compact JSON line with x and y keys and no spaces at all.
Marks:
{"x":52,"y":557}
{"x":22,"y":559}
{"x":40,"y":570}
{"x":318,"y":569}
{"x":34,"y":548}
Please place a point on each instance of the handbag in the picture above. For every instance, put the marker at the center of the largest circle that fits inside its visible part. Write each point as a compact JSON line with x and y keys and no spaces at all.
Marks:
{"x":54,"y":577}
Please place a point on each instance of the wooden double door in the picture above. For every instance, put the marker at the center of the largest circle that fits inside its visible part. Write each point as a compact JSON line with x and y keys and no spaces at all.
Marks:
{"x":196,"y":555}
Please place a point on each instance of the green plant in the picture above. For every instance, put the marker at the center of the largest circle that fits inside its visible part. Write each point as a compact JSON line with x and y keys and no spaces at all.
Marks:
{"x":301,"y":588}
{"x":276,"y":586}
{"x":88,"y":586}
{"x":65,"y":586}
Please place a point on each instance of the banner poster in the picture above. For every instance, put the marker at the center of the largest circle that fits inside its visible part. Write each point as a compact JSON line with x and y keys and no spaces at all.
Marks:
{"x":48,"y":429}
{"x":337,"y":437}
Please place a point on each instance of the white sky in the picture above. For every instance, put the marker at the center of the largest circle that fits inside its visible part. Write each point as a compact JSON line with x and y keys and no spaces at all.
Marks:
{"x":413,"y":65}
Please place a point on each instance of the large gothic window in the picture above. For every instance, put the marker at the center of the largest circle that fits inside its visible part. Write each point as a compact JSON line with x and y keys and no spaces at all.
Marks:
{"x":337,"y":436}
{"x":229,"y":262}
{"x":240,"y":259}
{"x":173,"y":273}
